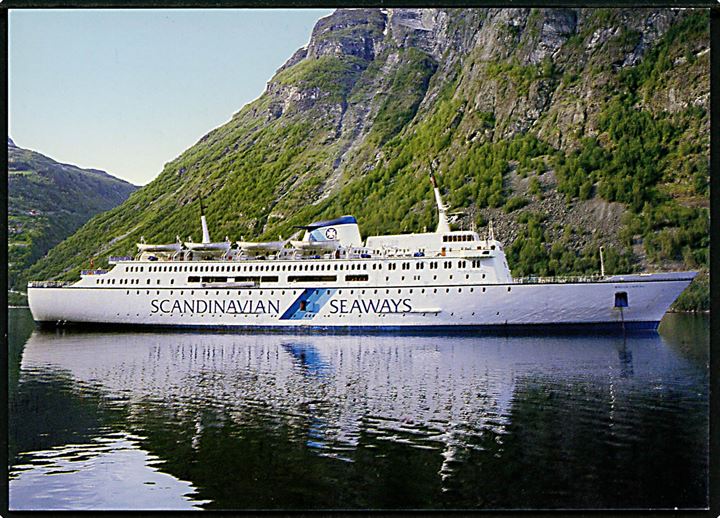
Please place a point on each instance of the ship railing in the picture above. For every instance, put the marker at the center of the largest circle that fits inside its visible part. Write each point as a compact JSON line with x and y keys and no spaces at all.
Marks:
{"x":48,"y":284}
{"x":119,"y":258}
{"x":559,"y":280}
{"x":93,"y":272}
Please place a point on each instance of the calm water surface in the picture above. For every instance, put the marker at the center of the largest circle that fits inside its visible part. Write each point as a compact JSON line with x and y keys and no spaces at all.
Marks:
{"x":228,"y":421}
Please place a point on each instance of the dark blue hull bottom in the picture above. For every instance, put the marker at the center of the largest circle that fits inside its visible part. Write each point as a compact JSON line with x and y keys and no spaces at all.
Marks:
{"x":499,"y":329}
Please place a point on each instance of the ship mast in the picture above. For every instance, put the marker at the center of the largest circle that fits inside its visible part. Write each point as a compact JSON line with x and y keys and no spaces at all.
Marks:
{"x":443,"y":225}
{"x":203,"y":222}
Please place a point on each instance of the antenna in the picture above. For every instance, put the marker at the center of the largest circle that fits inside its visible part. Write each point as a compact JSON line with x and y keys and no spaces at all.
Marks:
{"x":491,"y":232}
{"x":203,"y":222}
{"x":602,"y":262}
{"x":443,"y":225}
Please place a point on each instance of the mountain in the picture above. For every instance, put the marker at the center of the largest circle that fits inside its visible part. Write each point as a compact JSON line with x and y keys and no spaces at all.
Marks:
{"x":571,"y":129}
{"x":48,"y":201}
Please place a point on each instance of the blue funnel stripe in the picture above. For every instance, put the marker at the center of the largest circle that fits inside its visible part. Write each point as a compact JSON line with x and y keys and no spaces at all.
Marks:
{"x":308,"y":304}
{"x":342,"y":220}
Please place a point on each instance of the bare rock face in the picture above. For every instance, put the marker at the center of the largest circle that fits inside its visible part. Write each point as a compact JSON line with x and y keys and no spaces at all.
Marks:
{"x":498,"y":37}
{"x":348,"y":32}
{"x":556,"y":26}
{"x":425,"y":29}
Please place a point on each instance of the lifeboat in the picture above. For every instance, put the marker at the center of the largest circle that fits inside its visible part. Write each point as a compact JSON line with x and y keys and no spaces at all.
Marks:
{"x":223,"y":246}
{"x":327,"y":245}
{"x":260,"y":246}
{"x":150,"y":247}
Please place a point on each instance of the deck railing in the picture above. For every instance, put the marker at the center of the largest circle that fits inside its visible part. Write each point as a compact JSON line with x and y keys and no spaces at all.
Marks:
{"x":93,"y":272}
{"x":49,"y":284}
{"x":556,"y":280}
{"x":119,"y":258}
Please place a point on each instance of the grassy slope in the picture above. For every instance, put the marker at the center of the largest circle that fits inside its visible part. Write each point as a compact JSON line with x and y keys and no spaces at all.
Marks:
{"x":48,"y":201}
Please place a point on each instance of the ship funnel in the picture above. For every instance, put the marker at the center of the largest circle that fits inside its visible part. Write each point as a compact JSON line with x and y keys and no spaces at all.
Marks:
{"x":203,"y":222}
{"x":443,"y":225}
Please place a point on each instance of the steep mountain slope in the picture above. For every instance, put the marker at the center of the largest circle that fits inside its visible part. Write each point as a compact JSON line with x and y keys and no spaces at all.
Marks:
{"x":569,"y":128}
{"x":48,"y":201}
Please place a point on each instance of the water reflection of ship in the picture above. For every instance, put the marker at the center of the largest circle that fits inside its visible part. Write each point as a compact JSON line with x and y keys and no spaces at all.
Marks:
{"x":424,"y":391}
{"x":481,"y":412}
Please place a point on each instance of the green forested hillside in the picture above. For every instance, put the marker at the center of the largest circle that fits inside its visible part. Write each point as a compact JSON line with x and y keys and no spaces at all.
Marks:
{"x":569,"y":128}
{"x":48,"y":201}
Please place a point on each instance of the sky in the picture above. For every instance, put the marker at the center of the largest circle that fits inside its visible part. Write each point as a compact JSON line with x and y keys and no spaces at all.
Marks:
{"x":127,"y":91}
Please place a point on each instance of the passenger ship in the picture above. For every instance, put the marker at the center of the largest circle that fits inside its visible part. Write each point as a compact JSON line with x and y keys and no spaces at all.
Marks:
{"x":331,"y":279}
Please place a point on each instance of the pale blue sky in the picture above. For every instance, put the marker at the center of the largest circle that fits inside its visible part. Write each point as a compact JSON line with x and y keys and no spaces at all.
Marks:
{"x":128,"y":90}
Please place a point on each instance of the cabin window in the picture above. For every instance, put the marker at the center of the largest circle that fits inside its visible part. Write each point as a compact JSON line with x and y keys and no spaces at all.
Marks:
{"x":621,"y":299}
{"x":355,"y":278}
{"x":312,"y":278}
{"x":269,"y":278}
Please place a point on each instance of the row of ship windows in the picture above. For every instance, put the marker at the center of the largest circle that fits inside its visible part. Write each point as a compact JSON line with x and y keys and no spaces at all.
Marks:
{"x":419,"y":265}
{"x":455,"y":238}
{"x":291,"y":278}
{"x":340,"y":292}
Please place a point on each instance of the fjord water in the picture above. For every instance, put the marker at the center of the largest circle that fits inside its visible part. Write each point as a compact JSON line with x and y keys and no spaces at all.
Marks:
{"x":165,"y":420}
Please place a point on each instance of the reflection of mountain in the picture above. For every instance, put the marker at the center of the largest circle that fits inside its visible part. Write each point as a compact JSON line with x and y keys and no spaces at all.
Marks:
{"x":274,"y":421}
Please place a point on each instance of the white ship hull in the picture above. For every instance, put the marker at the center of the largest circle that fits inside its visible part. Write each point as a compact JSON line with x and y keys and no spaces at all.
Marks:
{"x":391,"y":305}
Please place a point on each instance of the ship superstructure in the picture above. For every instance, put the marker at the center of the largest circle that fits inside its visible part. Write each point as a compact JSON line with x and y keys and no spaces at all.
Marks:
{"x":331,"y":278}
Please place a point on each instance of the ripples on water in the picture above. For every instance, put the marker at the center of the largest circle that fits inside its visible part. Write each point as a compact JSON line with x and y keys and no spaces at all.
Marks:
{"x":183,"y":420}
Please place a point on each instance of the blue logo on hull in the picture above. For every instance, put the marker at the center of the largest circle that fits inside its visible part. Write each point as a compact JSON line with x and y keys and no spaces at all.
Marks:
{"x":308,"y":304}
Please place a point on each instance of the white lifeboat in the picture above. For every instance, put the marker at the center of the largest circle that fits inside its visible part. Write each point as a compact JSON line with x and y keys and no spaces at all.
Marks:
{"x":260,"y":246}
{"x":326,"y":245}
{"x":150,"y":247}
{"x":223,"y":246}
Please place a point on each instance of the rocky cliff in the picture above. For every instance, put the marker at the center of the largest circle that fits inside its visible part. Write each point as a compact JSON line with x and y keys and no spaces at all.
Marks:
{"x":569,"y":128}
